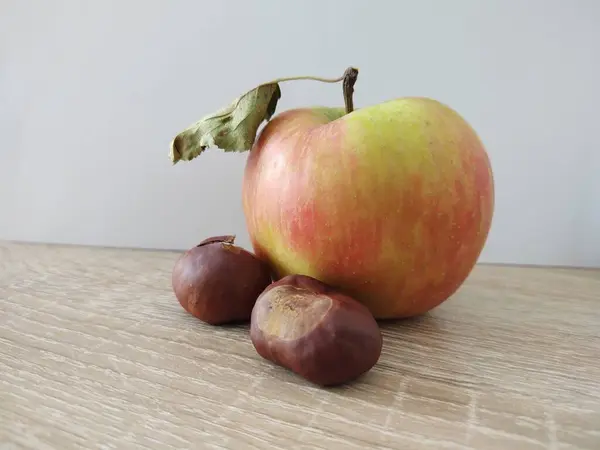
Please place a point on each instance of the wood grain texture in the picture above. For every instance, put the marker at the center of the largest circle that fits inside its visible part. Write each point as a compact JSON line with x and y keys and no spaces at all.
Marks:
{"x":95,"y":352}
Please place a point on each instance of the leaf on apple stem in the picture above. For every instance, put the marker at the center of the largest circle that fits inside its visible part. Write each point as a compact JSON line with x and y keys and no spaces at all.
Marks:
{"x":232,"y":129}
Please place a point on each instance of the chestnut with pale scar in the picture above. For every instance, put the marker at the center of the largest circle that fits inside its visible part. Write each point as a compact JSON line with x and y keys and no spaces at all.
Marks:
{"x":316,"y":331}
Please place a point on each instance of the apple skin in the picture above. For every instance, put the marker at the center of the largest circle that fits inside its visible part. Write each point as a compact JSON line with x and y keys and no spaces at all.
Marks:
{"x":391,"y":203}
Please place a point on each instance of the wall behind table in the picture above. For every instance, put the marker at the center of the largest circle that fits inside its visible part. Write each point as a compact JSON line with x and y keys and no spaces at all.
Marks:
{"x":92,"y":93}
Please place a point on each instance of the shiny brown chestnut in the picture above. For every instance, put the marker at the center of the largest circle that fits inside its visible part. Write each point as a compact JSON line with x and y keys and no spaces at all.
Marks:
{"x":314,"y":330}
{"x":218,"y":282}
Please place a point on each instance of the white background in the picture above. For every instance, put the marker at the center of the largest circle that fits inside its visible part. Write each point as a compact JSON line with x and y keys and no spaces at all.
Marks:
{"x":91,"y":93}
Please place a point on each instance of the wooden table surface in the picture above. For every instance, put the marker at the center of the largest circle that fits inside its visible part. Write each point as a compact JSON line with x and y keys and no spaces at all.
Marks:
{"x":95,"y":352}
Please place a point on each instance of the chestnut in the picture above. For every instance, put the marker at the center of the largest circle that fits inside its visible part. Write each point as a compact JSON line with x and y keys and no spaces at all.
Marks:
{"x":315,"y":330}
{"x":218,"y":282}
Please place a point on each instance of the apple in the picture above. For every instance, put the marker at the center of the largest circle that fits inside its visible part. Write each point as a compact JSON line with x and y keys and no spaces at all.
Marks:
{"x":391,"y":203}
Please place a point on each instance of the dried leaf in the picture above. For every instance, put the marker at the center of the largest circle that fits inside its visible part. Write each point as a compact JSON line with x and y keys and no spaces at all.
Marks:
{"x":232,"y":128}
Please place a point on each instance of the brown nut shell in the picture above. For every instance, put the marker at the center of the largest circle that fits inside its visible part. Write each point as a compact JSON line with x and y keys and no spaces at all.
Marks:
{"x":314,"y":330}
{"x":218,"y":282}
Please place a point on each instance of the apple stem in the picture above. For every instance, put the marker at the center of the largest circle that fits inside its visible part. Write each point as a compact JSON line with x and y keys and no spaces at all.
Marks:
{"x":349,"y":78}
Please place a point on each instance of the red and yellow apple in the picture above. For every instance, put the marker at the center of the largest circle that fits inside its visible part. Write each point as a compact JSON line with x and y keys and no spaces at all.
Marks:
{"x":392,"y":203}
